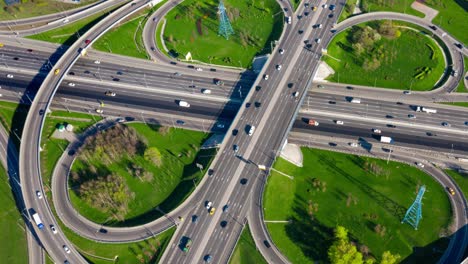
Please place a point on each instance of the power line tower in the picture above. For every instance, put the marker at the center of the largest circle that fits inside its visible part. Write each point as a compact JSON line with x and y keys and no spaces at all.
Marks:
{"x":225,"y":28}
{"x":414,"y":213}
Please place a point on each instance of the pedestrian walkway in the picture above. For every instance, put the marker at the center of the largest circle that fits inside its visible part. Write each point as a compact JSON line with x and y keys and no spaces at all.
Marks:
{"x":293,"y":154}
{"x":429,"y":13}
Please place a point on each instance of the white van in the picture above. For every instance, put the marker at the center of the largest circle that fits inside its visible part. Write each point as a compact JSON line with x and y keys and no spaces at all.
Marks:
{"x":184,"y":103}
{"x":356,"y":100}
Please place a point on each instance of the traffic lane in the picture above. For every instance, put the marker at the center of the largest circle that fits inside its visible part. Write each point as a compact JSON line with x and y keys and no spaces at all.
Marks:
{"x":354,"y":133}
{"x":379,"y":107}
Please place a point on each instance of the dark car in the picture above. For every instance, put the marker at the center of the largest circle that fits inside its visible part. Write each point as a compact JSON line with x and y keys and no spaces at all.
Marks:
{"x":267,"y":244}
{"x":430,"y":134}
{"x":300,"y":31}
{"x":433,"y":27}
{"x":15,"y":58}
{"x":173,"y":63}
{"x":223,"y":224}
{"x":87,"y":41}
{"x":332,"y":144}
{"x":389,"y":116}
{"x":243,"y":181}
{"x":330,"y":15}
{"x":459,"y":45}
{"x":71,"y":73}
{"x":180,"y":122}
{"x":116,"y":79}
{"x":331,"y":102}
{"x":258,"y":88}
{"x":194,"y":218}
{"x":258,"y":104}
{"x":213,"y":69}
{"x":391,"y":126}
{"x":234,"y":132}
{"x":210,"y":172}
{"x":103,"y":230}
{"x":247,"y":105}
{"x":290,"y":85}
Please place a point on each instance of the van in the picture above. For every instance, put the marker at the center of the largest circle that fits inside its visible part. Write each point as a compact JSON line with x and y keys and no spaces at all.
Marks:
{"x":251,"y":130}
{"x":288,"y":20}
{"x":318,"y":40}
{"x":184,"y":104}
{"x":206,"y":91}
{"x":356,"y":100}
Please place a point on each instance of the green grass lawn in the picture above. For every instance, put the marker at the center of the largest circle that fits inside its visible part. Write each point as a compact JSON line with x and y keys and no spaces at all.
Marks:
{"x":12,"y":117}
{"x":463,"y":104}
{"x":69,"y":33}
{"x":14,"y":245}
{"x":452,"y":17}
{"x":181,"y":34}
{"x":172,"y":182}
{"x":402,"y":57}
{"x":401,"y":6}
{"x":461,"y":180}
{"x":334,"y":189}
{"x":246,"y":252}
{"x":36,"y":8}
{"x":126,"y":39}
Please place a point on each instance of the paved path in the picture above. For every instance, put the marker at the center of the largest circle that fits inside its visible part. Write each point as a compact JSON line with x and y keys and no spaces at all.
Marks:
{"x":429,"y":13}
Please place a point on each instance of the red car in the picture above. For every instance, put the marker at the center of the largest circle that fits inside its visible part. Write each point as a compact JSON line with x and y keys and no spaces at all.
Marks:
{"x":87,"y":41}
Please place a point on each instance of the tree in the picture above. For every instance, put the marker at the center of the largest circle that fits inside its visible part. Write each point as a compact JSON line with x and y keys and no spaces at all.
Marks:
{"x":388,"y":258}
{"x":153,"y":154}
{"x":342,"y":250}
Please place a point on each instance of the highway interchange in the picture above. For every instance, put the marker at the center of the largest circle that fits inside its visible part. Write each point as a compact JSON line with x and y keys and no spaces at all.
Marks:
{"x":211,"y":106}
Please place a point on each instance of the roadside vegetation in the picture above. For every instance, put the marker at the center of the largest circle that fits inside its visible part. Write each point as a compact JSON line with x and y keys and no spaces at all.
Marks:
{"x":348,"y":10}
{"x":33,"y":8}
{"x":123,"y":173}
{"x":246,"y":251}
{"x":69,"y":33}
{"x":366,"y":196}
{"x":400,"y":6}
{"x":192,"y":26}
{"x":382,"y":54}
{"x":127,"y":38}
{"x":14,"y":248}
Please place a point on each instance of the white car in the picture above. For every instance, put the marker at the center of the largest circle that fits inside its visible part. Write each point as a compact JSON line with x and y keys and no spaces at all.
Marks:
{"x":406,"y":92}
{"x":220,"y":125}
{"x":251,"y":130}
{"x":295,"y":94}
{"x":184,"y":104}
{"x":71,"y":84}
{"x":109,"y":93}
{"x":199,"y":69}
{"x":66,"y":249}
{"x":281,"y":51}
{"x":339,"y":122}
{"x":208,"y":205}
{"x":9,"y":76}
{"x":319,"y":25}
{"x":97,"y":62}
{"x":99,"y":111}
{"x":278,"y":67}
{"x":39,"y":194}
{"x":420,"y":164}
{"x":353,"y":144}
{"x":53,"y":229}
{"x":206,"y":91}
{"x":377,"y":131}
{"x":265,"y":76}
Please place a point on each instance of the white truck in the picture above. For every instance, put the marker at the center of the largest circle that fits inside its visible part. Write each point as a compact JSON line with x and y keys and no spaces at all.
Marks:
{"x":38,"y":221}
{"x":425,"y":109}
{"x":384,"y":139}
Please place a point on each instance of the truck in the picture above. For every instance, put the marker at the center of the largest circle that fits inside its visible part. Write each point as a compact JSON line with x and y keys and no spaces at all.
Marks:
{"x":312,"y":122}
{"x":425,"y":109}
{"x":38,"y":221}
{"x":384,"y":139}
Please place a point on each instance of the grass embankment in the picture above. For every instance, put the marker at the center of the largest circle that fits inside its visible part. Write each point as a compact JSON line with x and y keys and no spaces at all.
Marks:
{"x":246,"y":252}
{"x":347,"y":10}
{"x":127,"y":38}
{"x":403,"y":6}
{"x":461,"y":88}
{"x":452,"y":17}
{"x":192,"y":26}
{"x":357,"y":193}
{"x":14,"y":247}
{"x":165,"y":186}
{"x":27,"y":9}
{"x":463,"y":104}
{"x":411,"y":60}
{"x":461,"y":179}
{"x":69,"y":33}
